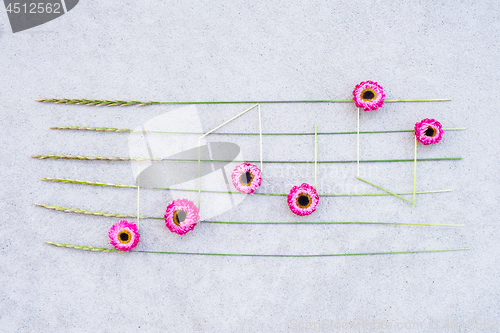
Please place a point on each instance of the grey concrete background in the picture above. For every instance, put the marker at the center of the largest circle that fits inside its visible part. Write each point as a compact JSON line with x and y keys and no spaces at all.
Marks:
{"x":219,"y":50}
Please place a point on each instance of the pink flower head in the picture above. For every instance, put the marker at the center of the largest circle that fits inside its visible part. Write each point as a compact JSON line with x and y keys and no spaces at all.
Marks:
{"x":182,"y":215}
{"x":303,"y":199}
{"x":428,"y":131}
{"x":369,"y":96}
{"x":124,"y":235}
{"x":246,"y":177}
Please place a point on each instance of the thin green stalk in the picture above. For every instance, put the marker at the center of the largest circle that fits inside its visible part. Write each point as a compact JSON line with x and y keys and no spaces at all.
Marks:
{"x":127,"y":130}
{"x":88,"y":212}
{"x":97,"y":129}
{"x":303,"y":255}
{"x":315,"y":155}
{"x":83,"y":182}
{"x":83,"y":247}
{"x":90,"y":158}
{"x":199,"y":175}
{"x":138,"y":196}
{"x":383,"y":189}
{"x":228,"y":121}
{"x":357,"y":144}
{"x":115,"y":158}
{"x":376,"y":194}
{"x":376,"y":223}
{"x":73,"y":181}
{"x":107,"y":102}
{"x":260,"y":138}
{"x":101,"y":249}
{"x":95,"y":102}
{"x":415,"y":173}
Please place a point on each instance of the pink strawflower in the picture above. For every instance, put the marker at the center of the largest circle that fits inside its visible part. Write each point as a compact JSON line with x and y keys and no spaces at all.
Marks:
{"x":246,"y":177}
{"x":369,"y":96}
{"x":428,"y":131}
{"x":303,"y":199}
{"x":124,"y":235}
{"x":182,"y":215}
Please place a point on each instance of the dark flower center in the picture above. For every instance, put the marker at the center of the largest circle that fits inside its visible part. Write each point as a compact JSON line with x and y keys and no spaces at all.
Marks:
{"x":246,"y":178}
{"x":303,"y":200}
{"x":430,"y":131}
{"x":179,"y":216}
{"x":124,"y":236}
{"x":368,"y":95}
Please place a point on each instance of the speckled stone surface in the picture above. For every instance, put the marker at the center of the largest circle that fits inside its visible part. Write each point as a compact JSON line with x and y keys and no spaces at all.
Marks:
{"x":260,"y":50}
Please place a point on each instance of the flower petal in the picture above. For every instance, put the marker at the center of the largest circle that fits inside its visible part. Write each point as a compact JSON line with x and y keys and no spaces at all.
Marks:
{"x":131,"y":229}
{"x":307,"y":190}
{"x":241,"y":170}
{"x":422,"y":129}
{"x":190,"y":221}
{"x":371,"y":104}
